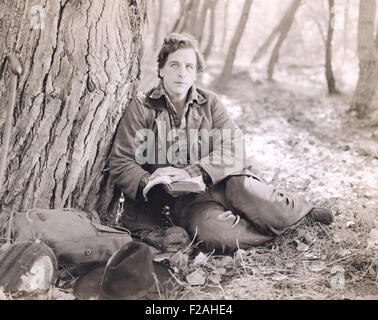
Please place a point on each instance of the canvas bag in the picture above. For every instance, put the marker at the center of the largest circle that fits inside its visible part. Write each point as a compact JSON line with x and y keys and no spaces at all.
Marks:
{"x":74,"y":238}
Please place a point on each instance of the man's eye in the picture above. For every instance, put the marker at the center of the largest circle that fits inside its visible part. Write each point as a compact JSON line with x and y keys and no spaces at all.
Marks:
{"x":189,"y":66}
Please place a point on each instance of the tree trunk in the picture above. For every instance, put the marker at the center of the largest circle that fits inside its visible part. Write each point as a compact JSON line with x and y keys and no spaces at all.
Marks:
{"x":192,"y":18}
{"x":200,"y":26}
{"x":280,"y":26}
{"x":158,"y":24}
{"x":187,"y":14}
{"x":180,"y":17}
{"x":376,"y":39}
{"x":229,"y":63}
{"x":346,"y":26}
{"x":328,"y":56}
{"x":368,"y":57}
{"x":225,"y":22}
{"x":284,"y":31}
{"x":80,"y":67}
{"x":209,"y":45}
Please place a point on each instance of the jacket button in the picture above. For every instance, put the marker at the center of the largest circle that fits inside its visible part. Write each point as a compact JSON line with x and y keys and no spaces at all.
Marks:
{"x":88,"y":252}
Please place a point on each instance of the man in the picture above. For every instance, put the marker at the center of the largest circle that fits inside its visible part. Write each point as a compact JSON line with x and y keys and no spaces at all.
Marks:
{"x":156,"y":137}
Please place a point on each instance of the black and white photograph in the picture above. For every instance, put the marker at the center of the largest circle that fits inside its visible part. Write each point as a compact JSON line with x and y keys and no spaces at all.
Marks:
{"x":188,"y":154}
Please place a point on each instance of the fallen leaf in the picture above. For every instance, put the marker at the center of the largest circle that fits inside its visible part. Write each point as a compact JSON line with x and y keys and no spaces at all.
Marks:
{"x":179,"y":260}
{"x":215,"y":278}
{"x":226,"y":262}
{"x":240,"y":253}
{"x":317,"y":266}
{"x":220,"y":271}
{"x":196,"y":278}
{"x":310,"y":256}
{"x":200,"y":259}
{"x":301,"y":246}
{"x":279,"y":277}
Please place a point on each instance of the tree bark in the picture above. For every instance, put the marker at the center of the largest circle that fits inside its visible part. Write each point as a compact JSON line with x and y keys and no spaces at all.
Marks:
{"x":278,"y":29}
{"x":209,"y":45}
{"x":80,"y":69}
{"x":229,"y":63}
{"x":328,"y":56}
{"x":368,"y":60}
{"x":284,"y":31}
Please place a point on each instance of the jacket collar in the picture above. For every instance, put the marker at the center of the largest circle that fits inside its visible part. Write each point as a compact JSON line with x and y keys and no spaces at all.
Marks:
{"x":193,"y":95}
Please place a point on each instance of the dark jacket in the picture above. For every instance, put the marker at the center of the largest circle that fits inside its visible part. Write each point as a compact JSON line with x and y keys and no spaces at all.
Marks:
{"x":148,"y":111}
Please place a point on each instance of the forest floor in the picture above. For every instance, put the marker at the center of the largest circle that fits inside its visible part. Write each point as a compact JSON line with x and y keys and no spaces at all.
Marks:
{"x":303,"y":141}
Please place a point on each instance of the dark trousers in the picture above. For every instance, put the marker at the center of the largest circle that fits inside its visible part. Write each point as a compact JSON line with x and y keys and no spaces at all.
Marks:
{"x":239,"y":212}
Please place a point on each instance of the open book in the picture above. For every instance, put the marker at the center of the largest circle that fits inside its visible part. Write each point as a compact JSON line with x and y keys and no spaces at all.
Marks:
{"x":176,"y":188}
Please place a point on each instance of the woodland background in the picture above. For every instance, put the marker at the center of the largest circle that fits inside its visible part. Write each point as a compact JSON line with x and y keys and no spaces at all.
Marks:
{"x":300,"y":77}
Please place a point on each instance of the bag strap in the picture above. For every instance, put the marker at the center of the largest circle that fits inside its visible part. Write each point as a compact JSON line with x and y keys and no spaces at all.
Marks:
{"x":27,"y":216}
{"x":8,"y":235}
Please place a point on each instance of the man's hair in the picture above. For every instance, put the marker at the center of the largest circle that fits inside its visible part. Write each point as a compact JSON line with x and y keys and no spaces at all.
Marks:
{"x":175,"y":41}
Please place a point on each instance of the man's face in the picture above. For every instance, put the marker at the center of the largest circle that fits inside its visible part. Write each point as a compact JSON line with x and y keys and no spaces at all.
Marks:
{"x":179,"y":73}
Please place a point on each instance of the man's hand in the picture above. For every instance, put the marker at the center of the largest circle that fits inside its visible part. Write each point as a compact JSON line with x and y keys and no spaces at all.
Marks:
{"x":174,"y":173}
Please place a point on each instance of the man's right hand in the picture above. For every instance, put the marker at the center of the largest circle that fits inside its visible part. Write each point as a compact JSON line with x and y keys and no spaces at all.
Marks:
{"x":174,"y":173}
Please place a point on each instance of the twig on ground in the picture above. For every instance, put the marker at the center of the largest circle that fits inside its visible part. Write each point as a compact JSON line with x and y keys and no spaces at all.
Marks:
{"x":241,"y":257}
{"x":190,"y":244}
{"x":343,"y":258}
{"x":156,"y":283}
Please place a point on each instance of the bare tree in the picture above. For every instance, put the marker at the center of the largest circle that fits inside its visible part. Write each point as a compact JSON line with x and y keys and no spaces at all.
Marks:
{"x":283,"y":25}
{"x":328,"y":56}
{"x":284,"y":31}
{"x":180,"y":18}
{"x":187,"y":15}
{"x":225,"y":22}
{"x":210,"y":41}
{"x":192,"y":18}
{"x":368,"y":57}
{"x":80,"y":62}
{"x":157,"y":28}
{"x":200,"y":25}
{"x":346,"y":26}
{"x":229,"y":63}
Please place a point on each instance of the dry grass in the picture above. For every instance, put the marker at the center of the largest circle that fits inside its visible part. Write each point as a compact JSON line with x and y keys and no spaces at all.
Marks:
{"x":277,"y":270}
